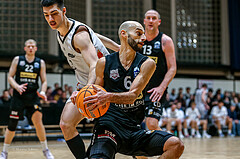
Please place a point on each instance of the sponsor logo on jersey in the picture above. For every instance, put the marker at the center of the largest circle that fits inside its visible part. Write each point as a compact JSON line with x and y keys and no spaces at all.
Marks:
{"x":157,"y":45}
{"x":36,"y":65}
{"x":155,"y":59}
{"x":28,"y":75}
{"x":136,"y":71}
{"x":22,"y":63}
{"x":149,"y":131}
{"x":99,"y":54}
{"x":14,"y":113}
{"x":71,"y":55}
{"x":114,"y":74}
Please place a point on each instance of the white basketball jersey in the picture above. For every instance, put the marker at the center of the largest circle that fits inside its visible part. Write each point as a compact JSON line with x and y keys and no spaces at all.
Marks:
{"x":74,"y":58}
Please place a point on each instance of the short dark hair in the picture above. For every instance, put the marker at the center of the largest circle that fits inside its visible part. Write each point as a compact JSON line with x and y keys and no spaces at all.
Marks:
{"x":204,"y":85}
{"x":47,"y":3}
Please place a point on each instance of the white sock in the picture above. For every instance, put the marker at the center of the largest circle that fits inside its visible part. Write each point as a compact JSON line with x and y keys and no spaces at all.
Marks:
{"x":185,"y":131}
{"x":204,"y":132}
{"x":180,"y":133}
{"x":192,"y":131}
{"x":198,"y":132}
{"x":5,"y":147}
{"x":220,"y":131}
{"x":229,"y":131}
{"x":44,"y":145}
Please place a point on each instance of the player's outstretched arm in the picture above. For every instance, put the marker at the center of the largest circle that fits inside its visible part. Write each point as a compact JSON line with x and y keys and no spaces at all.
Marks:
{"x":110,"y":44}
{"x":43,"y":78}
{"x":101,"y":98}
{"x":11,"y":74}
{"x":83,"y":42}
{"x":168,"y":49}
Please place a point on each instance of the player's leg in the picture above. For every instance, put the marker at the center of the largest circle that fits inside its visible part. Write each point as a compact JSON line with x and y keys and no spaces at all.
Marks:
{"x":41,"y":133}
{"x":173,"y":148}
{"x":70,"y":118}
{"x":219,"y":127}
{"x":229,"y":124}
{"x":16,"y":109}
{"x":103,"y":145}
{"x":179,"y":128}
{"x":204,"y":125}
{"x":158,"y":143}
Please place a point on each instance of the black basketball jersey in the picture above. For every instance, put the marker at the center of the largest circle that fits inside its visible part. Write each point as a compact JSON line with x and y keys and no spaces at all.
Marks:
{"x":28,"y":73}
{"x":117,"y":79}
{"x":153,"y":49}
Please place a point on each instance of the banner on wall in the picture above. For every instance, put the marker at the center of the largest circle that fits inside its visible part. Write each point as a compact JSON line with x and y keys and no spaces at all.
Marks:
{"x":208,"y":82}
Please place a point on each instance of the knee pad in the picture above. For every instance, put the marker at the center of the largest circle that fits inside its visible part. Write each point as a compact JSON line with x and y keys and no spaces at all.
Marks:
{"x":103,"y":149}
{"x":12,"y":124}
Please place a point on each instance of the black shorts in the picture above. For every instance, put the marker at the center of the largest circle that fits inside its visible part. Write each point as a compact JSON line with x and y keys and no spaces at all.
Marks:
{"x":22,"y":105}
{"x":106,"y":143}
{"x":154,"y":109}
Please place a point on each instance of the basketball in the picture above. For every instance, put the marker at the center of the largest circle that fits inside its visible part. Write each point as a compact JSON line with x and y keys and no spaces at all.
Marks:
{"x":86,"y":91}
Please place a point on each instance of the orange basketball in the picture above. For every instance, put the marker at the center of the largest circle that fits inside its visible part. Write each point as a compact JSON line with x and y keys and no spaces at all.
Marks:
{"x":86,"y":91}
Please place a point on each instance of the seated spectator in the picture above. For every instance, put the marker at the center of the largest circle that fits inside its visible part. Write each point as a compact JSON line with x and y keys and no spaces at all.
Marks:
{"x":236,"y":103}
{"x":70,"y":91}
{"x":10,"y":90}
{"x":163,"y":120}
{"x":58,"y":94}
{"x":6,"y":98}
{"x":65,"y":87}
{"x":193,"y":120}
{"x":56,"y":86}
{"x":232,"y":113}
{"x":62,"y":100}
{"x":187,"y":96}
{"x":172,"y":95}
{"x":174,"y":119}
{"x":220,"y":117}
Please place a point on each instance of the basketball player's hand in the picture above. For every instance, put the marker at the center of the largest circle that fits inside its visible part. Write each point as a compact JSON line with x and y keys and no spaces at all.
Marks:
{"x":42,"y":95}
{"x":157,"y":93}
{"x":207,"y":106}
{"x":22,"y":88}
{"x":97,"y":100}
{"x":73,"y":97}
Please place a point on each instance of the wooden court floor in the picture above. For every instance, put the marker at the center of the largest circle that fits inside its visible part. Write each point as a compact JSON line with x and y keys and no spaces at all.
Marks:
{"x":215,"y":148}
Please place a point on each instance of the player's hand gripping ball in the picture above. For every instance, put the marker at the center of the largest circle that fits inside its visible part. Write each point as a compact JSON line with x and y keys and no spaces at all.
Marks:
{"x":86,"y":91}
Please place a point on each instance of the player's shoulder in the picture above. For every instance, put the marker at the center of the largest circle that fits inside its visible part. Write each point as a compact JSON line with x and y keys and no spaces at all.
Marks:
{"x":166,"y":39}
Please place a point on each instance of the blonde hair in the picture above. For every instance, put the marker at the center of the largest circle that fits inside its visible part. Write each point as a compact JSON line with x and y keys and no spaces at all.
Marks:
{"x":30,"y":41}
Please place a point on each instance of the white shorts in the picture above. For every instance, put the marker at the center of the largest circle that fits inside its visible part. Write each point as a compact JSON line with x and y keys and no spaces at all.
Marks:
{"x":189,"y":121}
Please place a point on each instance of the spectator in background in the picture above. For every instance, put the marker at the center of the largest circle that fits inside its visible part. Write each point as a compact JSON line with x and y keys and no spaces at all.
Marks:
{"x":187,"y":96}
{"x":227,"y":99}
{"x":174,"y":119}
{"x":163,"y":120}
{"x":58,"y":94}
{"x":180,"y":91}
{"x":10,"y":90}
{"x":201,"y":101}
{"x":220,"y":117}
{"x":172,"y":95}
{"x":193,"y":120}
{"x":62,"y":100}
{"x":235,"y":102}
{"x":56,"y":86}
{"x":218,"y":92}
{"x":6,"y":98}
{"x":232,"y":113}
{"x":69,"y":91}
{"x":65,"y":87}
{"x":180,"y":100}
{"x":210,"y":99}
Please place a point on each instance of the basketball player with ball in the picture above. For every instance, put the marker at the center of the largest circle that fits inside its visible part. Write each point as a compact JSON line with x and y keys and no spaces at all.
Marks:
{"x":124,"y":75}
{"x":82,"y":49}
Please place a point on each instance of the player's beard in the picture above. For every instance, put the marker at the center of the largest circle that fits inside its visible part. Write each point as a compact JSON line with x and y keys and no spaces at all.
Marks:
{"x":134,"y":44}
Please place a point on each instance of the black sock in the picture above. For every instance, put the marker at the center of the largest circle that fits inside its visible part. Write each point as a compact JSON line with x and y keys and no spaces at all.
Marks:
{"x":77,"y":147}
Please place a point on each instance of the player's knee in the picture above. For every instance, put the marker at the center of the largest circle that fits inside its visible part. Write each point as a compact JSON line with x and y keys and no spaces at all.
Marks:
{"x":176,"y":145}
{"x":64,"y":125}
{"x":12,"y":124}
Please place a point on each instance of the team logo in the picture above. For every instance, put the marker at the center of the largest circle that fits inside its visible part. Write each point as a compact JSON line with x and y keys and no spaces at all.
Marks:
{"x":71,"y":55}
{"x":157,"y":45}
{"x":114,"y":74}
{"x":37,"y":107}
{"x":14,"y":113}
{"x":149,"y":131}
{"x":99,"y":54}
{"x":136,"y":71}
{"x":22,"y":63}
{"x":36,"y":65}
